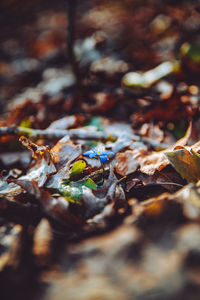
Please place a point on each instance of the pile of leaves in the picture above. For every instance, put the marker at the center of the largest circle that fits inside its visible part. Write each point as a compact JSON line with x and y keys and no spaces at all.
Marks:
{"x":100,"y":153}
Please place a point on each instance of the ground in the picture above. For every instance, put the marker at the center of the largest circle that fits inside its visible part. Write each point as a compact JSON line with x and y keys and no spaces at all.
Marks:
{"x":99,"y":150}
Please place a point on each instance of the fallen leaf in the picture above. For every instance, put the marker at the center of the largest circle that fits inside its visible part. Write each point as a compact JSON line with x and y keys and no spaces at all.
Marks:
{"x":145,"y":160}
{"x":186,"y":163}
{"x":77,"y":168}
{"x":55,"y":207}
{"x":72,"y":192}
{"x":129,"y":161}
{"x":90,"y":184}
{"x":64,"y":151}
{"x":44,"y":165}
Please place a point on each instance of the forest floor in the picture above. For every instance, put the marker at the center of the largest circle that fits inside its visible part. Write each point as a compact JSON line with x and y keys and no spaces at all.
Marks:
{"x":100,"y":150}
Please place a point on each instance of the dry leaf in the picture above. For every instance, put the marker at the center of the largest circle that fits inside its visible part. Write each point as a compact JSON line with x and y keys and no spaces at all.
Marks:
{"x":186,"y":163}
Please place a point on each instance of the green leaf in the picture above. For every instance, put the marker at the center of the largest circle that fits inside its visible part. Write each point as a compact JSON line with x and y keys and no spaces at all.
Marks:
{"x":179,"y":129}
{"x":192,"y":51}
{"x":77,"y":168}
{"x":96,"y":121}
{"x":90,"y":184}
{"x":25,"y":123}
{"x":186,"y":163}
{"x":71,"y":192}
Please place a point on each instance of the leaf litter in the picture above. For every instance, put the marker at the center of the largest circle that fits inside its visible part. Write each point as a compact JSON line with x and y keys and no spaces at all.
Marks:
{"x":108,"y":205}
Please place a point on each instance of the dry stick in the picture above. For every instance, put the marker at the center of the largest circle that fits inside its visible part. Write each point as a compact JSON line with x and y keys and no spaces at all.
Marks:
{"x":70,"y":37}
{"x":54,"y":133}
{"x":75,"y":134}
{"x":71,"y":12}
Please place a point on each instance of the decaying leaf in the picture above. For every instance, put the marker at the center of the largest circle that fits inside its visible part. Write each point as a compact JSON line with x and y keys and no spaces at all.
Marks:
{"x":64,"y":151}
{"x":145,"y":160}
{"x":8,"y":189}
{"x":129,"y":161}
{"x":55,"y":207}
{"x":49,"y":162}
{"x":44,"y":165}
{"x":186,"y":162}
{"x":87,"y":227}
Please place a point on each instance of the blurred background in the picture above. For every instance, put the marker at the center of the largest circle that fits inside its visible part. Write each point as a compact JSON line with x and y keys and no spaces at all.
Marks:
{"x":111,"y":38}
{"x":72,"y":58}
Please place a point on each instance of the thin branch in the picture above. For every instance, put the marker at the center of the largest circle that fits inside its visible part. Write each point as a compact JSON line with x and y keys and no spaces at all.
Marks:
{"x":55,"y":133}
{"x":72,"y":4}
{"x":75,"y":134}
{"x":71,"y":13}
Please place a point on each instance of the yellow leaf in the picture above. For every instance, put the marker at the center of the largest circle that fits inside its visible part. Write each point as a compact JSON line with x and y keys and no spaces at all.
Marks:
{"x":77,"y":168}
{"x":186,"y":162}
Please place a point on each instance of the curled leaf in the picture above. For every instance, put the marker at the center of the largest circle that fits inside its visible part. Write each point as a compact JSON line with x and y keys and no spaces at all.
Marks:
{"x":44,"y":165}
{"x":186,"y":162}
{"x":37,"y":151}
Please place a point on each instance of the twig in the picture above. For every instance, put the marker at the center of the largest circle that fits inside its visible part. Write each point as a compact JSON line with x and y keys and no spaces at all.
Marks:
{"x":55,"y":133}
{"x":71,"y":12}
{"x":70,"y":37}
{"x":75,"y":134}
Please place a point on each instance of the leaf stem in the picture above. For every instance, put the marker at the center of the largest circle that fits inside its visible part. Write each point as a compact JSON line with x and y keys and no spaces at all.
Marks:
{"x":169,"y":183}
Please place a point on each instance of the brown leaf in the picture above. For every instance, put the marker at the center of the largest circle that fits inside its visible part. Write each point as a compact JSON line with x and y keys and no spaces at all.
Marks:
{"x":37,"y":151}
{"x":175,"y":108}
{"x":154,"y":161}
{"x":64,"y":151}
{"x":186,"y":163}
{"x":51,"y":164}
{"x":57,"y":208}
{"x":129,"y":161}
{"x":147,"y":161}
{"x":44,"y":165}
{"x":152,"y":131}
{"x":188,"y":197}
{"x":8,"y":189}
